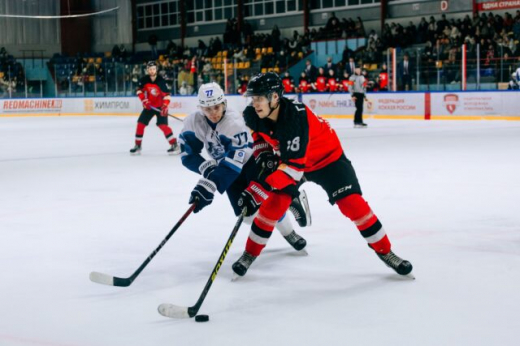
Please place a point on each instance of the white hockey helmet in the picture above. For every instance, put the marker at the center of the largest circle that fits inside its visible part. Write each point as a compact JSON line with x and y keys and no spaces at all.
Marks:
{"x":211,"y":94}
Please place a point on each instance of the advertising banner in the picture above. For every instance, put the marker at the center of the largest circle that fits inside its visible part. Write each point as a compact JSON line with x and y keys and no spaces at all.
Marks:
{"x":493,"y":5}
{"x":473,"y":104}
{"x":382,"y":104}
{"x":412,"y":105}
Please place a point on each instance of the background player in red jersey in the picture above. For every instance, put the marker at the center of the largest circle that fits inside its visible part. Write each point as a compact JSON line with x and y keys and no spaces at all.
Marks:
{"x":288,"y":83}
{"x":320,"y":84}
{"x":153,"y":93}
{"x":305,"y":145}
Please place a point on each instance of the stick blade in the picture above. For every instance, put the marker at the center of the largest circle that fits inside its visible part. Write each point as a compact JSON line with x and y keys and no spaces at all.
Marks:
{"x":109,"y":280}
{"x":101,"y":278}
{"x":173,"y":311}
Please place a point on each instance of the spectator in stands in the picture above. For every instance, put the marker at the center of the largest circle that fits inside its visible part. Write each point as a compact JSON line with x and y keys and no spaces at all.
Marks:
{"x":281,"y":60}
{"x":185,"y":89}
{"x":347,"y":53}
{"x":332,"y":25}
{"x":422,"y":31}
{"x":116,"y":52}
{"x":242,"y":84}
{"x":311,"y":71}
{"x":152,"y":41}
{"x":350,"y":67}
{"x":202,"y":49}
{"x":276,"y":39}
{"x":360,"y":28}
{"x":405,"y":70}
{"x":513,"y":83}
{"x":184,"y":76}
{"x":329,"y":65}
{"x":207,"y":69}
{"x":239,"y":55}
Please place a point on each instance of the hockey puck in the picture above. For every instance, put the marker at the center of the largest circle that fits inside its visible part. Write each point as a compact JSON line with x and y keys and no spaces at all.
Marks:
{"x":202,"y":318}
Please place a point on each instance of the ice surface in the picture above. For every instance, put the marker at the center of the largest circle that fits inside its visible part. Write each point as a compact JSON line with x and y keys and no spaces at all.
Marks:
{"x":72,"y":201}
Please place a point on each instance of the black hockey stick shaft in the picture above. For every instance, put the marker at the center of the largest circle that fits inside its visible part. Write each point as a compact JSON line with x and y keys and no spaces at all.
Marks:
{"x":170,"y":115}
{"x":125,"y":282}
{"x":192,"y":311}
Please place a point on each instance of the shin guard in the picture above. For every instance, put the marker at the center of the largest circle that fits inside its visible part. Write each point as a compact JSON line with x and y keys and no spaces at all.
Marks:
{"x":357,"y":209}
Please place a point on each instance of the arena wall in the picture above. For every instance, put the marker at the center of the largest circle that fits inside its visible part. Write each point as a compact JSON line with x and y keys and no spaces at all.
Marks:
{"x":496,"y":105}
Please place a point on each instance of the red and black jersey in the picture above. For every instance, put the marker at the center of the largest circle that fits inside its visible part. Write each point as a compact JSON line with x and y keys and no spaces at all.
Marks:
{"x":304,"y":141}
{"x":288,"y":84}
{"x":345,"y":84}
{"x":332,"y":84}
{"x":321,"y":84}
{"x":304,"y":85}
{"x":154,"y":91}
{"x":383,"y":80}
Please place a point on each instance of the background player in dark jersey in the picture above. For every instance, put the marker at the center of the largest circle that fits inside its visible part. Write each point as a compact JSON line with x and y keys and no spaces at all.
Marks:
{"x":152,"y":92}
{"x":289,"y":128}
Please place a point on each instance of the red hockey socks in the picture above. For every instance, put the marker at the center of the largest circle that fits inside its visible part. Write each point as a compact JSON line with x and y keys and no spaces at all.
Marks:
{"x":168,"y":133}
{"x":139,"y":133}
{"x":357,"y":209}
{"x":268,"y":215}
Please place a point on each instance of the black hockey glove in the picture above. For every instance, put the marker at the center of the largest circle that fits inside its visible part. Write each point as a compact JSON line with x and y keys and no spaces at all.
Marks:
{"x":266,"y":163}
{"x":202,"y":194}
{"x":207,"y":167}
{"x":251,"y":198}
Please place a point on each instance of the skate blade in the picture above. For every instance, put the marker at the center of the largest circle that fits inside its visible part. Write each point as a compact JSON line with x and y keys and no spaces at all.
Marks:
{"x":235,"y":277}
{"x":303,"y":252}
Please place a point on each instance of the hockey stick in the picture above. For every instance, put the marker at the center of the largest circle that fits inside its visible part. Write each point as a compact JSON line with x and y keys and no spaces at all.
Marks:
{"x":106,"y":279}
{"x":170,"y":115}
{"x":175,"y":311}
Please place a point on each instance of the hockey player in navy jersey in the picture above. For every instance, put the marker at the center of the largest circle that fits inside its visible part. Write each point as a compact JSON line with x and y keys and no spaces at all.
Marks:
{"x":232,"y":167}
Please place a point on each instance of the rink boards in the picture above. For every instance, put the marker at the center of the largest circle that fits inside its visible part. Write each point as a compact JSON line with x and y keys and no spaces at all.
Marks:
{"x":410,"y":105}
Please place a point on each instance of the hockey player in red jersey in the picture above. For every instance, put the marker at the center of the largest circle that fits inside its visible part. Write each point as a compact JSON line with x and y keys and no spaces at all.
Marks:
{"x":304,"y":146}
{"x":153,"y":93}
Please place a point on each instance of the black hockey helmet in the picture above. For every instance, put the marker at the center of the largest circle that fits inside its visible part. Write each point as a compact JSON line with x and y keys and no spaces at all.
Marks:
{"x":151,"y":63}
{"x":265,"y":84}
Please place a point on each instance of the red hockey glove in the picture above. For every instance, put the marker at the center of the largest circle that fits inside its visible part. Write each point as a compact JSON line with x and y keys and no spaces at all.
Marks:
{"x":251,"y":198}
{"x":146,"y":103}
{"x":164,"y":108}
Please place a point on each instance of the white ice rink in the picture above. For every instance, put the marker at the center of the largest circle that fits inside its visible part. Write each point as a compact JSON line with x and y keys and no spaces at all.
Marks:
{"x":72,"y":201}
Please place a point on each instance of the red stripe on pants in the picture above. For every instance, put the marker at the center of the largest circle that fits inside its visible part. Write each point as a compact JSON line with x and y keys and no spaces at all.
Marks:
{"x":272,"y":209}
{"x":139,"y":132}
{"x":357,"y":209}
{"x":167,"y":133}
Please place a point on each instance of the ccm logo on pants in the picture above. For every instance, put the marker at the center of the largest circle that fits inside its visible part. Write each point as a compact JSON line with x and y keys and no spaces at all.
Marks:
{"x":343,"y":189}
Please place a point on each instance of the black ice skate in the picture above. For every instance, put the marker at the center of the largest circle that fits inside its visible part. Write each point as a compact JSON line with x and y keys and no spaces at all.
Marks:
{"x":175,"y":149}
{"x":300,"y":209}
{"x":241,"y":266}
{"x":296,"y":241}
{"x":401,"y":266}
{"x":135,"y":150}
